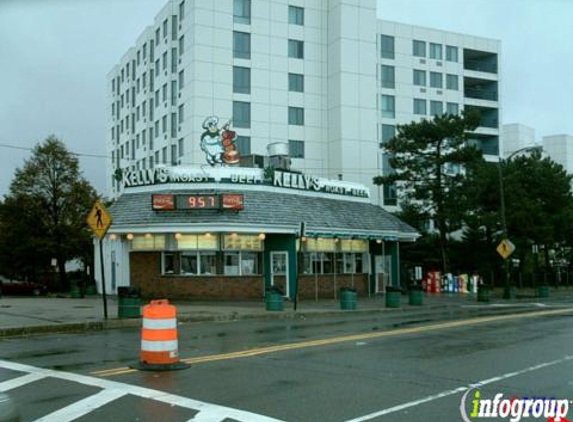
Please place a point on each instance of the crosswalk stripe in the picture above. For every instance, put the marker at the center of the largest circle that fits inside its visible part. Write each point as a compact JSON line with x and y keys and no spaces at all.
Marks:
{"x":113,"y":389}
{"x":83,"y":407}
{"x":20,"y":381}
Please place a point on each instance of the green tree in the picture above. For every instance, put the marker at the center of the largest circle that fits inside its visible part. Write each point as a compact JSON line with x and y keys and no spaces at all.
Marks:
{"x":429,"y":158}
{"x":539,"y":203}
{"x":43,"y":215}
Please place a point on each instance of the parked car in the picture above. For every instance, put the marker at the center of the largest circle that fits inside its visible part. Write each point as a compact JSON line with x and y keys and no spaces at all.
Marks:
{"x":21,"y":288}
{"x":8,"y":410}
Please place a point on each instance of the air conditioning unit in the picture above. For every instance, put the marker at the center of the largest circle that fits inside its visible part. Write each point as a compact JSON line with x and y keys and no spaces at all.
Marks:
{"x":423,"y":61}
{"x":438,"y":63}
{"x":254,"y":161}
{"x":439,"y":92}
{"x":280,"y":162}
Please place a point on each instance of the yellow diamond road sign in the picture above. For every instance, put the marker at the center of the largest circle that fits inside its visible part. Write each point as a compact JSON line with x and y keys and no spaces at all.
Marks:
{"x":505,"y":248}
{"x":99,"y":220}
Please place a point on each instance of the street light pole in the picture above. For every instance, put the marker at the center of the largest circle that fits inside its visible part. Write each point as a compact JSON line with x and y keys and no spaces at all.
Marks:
{"x":506,"y":293}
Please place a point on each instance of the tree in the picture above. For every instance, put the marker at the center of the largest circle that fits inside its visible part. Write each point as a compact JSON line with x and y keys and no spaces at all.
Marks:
{"x":43,"y":215}
{"x":539,"y":203}
{"x":429,"y":158}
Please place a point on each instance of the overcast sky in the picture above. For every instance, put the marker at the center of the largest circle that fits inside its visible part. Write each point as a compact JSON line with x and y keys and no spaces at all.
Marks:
{"x":55,"y":55}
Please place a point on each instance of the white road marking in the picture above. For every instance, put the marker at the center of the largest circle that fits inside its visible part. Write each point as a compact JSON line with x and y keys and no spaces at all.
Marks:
{"x":19,"y":381}
{"x":458,"y":390}
{"x":207,"y":412}
{"x":83,"y":407}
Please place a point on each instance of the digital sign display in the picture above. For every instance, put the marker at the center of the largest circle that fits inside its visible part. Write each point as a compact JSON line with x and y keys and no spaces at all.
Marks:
{"x":198,"y":202}
{"x":208,"y":201}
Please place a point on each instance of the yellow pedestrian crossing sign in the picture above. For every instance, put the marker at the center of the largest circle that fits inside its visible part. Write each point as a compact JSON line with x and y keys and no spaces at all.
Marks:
{"x":99,"y":220}
{"x":505,"y":248}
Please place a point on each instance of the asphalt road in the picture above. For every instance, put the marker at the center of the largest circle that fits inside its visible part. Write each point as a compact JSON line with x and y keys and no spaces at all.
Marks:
{"x":401,"y":367}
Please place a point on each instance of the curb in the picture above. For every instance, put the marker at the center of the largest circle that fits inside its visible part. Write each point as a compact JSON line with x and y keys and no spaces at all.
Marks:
{"x":100,"y":325}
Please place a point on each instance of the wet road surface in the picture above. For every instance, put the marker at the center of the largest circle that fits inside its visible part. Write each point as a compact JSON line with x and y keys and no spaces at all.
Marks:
{"x":409,"y":376}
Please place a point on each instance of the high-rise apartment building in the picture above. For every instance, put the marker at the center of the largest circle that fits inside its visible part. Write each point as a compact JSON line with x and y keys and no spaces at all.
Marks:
{"x":326,"y":77}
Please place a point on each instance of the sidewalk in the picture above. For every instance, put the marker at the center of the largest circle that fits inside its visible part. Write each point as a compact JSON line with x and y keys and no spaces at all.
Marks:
{"x":23,"y":316}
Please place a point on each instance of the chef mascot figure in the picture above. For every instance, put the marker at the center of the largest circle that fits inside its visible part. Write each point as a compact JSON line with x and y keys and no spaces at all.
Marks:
{"x":219,"y":144}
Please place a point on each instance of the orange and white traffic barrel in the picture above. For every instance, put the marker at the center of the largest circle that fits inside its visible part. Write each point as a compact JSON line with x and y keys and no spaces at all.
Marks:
{"x":159,"y":342}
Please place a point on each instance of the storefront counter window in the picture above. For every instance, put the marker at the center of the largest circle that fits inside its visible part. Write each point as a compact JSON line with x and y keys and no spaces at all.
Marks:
{"x":198,"y":263}
{"x":148,"y":242}
{"x":241,"y":263}
{"x":168,"y":263}
{"x":197,"y":242}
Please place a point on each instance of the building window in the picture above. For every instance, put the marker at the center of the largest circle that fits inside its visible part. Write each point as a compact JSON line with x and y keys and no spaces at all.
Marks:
{"x":181,"y":80}
{"x":242,"y":11}
{"x":296,"y":49}
{"x":174,"y":28}
{"x":296,"y":116}
{"x":387,"y":73}
{"x":151,"y":51}
{"x":452,"y":108}
{"x":419,"y":77}
{"x":173,"y":155}
{"x":419,"y":48}
{"x":435,"y":51}
{"x":156,"y":125}
{"x":295,"y":148}
{"x":452,"y":82}
{"x":168,"y":263}
{"x":164,"y":155}
{"x":181,"y":114}
{"x":241,"y":45}
{"x":157,"y":68}
{"x":164,"y":61}
{"x":173,"y":125}
{"x":241,"y":80}
{"x":241,"y":263}
{"x":138,"y":57}
{"x":243,"y":144}
{"x":390,"y":195}
{"x":388,"y":132}
{"x":173,"y":93}
{"x":164,"y":92}
{"x":388,"y":106}
{"x":386,"y":47}
{"x":181,"y":45}
{"x":165,"y":28}
{"x":181,"y":10}
{"x":151,"y":109}
{"x":295,"y":82}
{"x":436,"y":108}
{"x":157,"y":157}
{"x":435,"y":80}
{"x":173,"y":60}
{"x":420,"y":106}
{"x":451,"y":53}
{"x":164,"y":124}
{"x":295,"y":15}
{"x":180,"y":147}
{"x":242,"y":114}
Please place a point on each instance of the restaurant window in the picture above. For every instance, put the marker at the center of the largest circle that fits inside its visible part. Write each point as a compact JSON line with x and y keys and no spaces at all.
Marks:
{"x":198,"y":263}
{"x":241,"y":263}
{"x":168,"y":263}
{"x":148,"y":242}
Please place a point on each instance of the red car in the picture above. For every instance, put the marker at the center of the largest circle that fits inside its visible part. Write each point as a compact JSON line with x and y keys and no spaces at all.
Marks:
{"x":21,"y":288}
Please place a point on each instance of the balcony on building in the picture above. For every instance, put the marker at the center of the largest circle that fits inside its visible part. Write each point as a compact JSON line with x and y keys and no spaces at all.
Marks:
{"x":480,"y":89}
{"x":480,"y":61}
{"x":487,"y":144}
{"x":489,"y":116}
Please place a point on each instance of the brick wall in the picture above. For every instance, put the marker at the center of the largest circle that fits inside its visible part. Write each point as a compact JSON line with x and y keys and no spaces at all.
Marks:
{"x":326,"y":286}
{"x":146,"y":274}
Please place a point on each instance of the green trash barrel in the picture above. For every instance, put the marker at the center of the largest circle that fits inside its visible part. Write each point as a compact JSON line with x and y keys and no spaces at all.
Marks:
{"x":543,"y":291}
{"x":274,"y":299}
{"x":483,"y":293}
{"x":128,"y":302}
{"x":416,"y":296}
{"x":75,"y":291}
{"x":393,"y":297}
{"x":348,"y":298}
{"x":91,"y":289}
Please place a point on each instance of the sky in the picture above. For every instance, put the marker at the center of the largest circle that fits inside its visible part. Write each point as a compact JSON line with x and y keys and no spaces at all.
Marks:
{"x":55,"y":55}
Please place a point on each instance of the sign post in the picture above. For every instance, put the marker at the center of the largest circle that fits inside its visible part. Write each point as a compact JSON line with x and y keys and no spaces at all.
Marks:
{"x":99,"y":220}
{"x":302,"y":233}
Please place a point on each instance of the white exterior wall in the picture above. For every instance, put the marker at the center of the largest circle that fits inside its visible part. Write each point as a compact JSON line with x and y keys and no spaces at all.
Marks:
{"x":116,"y":264}
{"x":560,"y":149}
{"x":516,"y":136}
{"x":340,"y":66}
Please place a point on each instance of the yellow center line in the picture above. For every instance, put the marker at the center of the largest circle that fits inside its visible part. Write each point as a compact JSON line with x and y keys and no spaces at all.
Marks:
{"x":343,"y":339}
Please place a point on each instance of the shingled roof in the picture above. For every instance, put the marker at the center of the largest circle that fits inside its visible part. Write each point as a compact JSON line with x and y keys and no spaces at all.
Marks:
{"x":267,"y":209}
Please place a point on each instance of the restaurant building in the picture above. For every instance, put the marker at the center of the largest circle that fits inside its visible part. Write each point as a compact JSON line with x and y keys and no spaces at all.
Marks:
{"x":229,"y":232}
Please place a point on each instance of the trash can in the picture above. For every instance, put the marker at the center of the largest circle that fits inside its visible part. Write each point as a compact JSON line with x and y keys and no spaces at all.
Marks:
{"x":543,"y":291}
{"x":393,"y":297}
{"x":483,"y":293}
{"x":348,"y":298}
{"x":91,"y":289}
{"x":128,"y":302}
{"x":416,"y":295}
{"x":75,"y":290}
{"x":274,"y":299}
{"x":510,"y":292}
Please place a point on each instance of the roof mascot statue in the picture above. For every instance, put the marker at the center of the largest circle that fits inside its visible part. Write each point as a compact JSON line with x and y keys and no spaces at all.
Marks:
{"x":218,"y":144}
